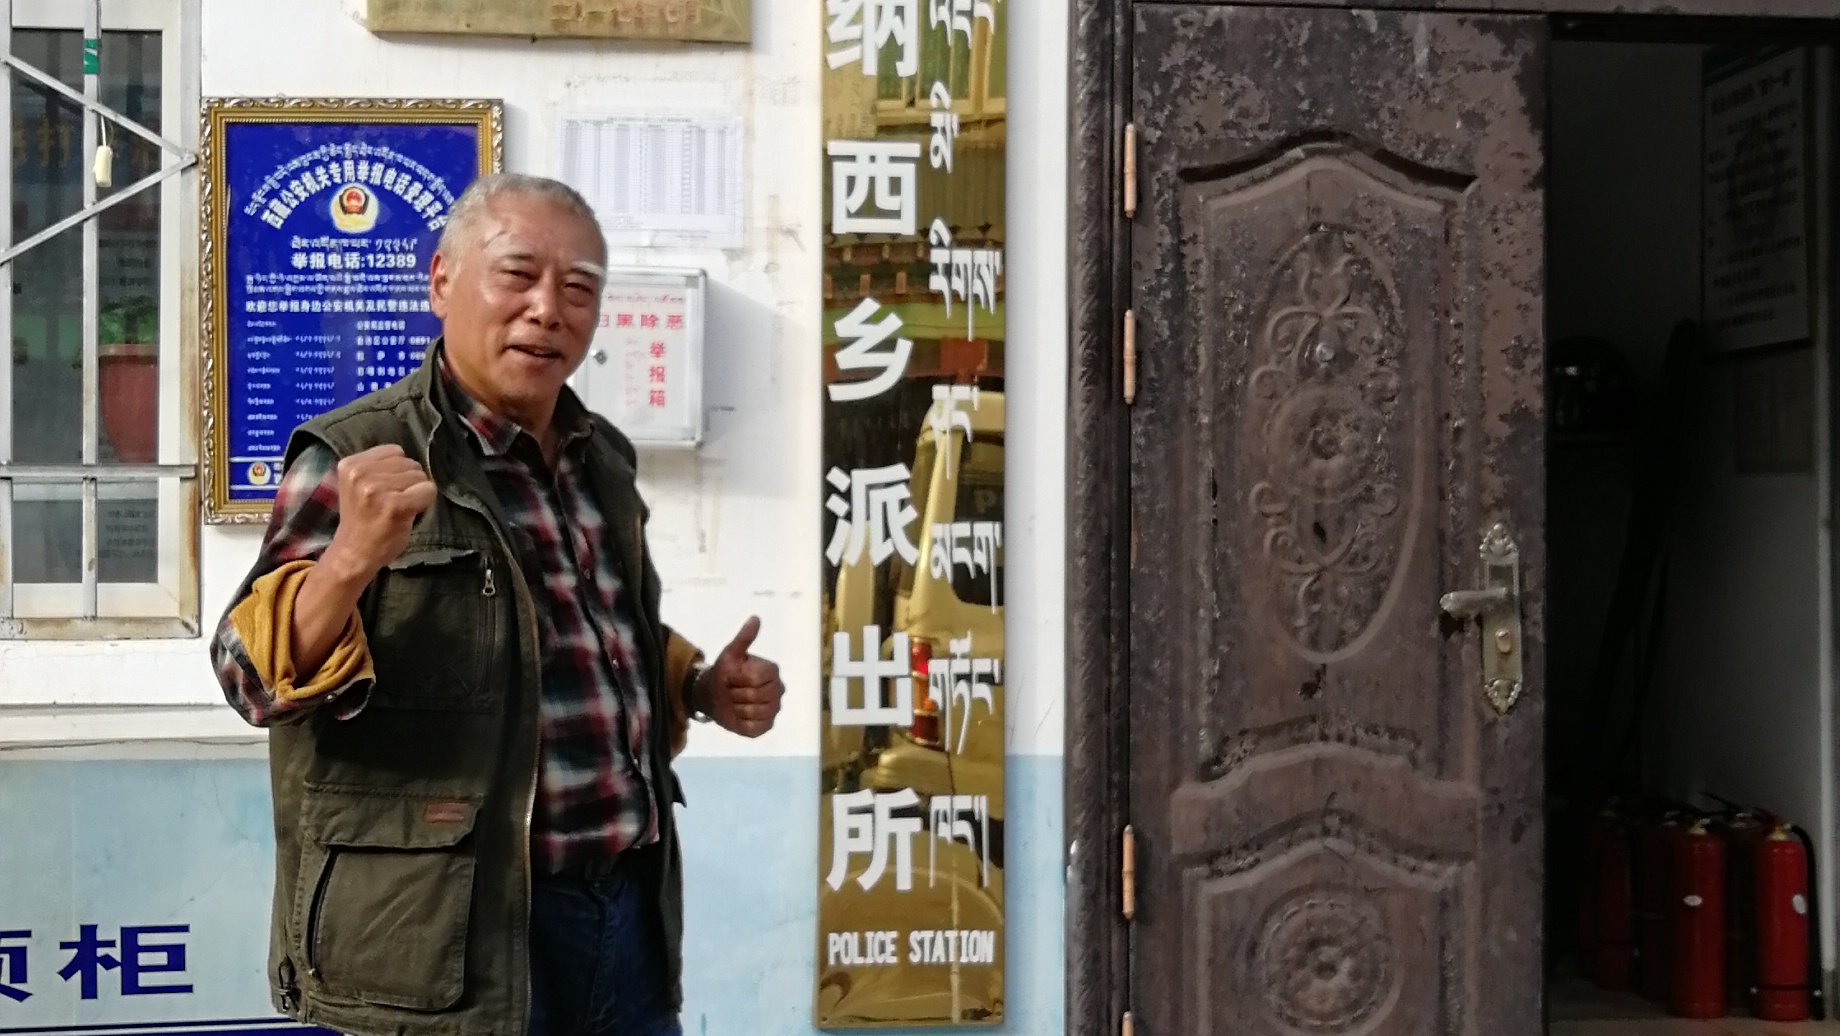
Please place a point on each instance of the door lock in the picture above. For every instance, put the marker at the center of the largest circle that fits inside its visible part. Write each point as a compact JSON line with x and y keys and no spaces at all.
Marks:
{"x":1496,"y":608}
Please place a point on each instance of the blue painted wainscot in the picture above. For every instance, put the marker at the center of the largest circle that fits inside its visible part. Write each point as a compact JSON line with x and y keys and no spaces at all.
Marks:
{"x":134,"y":897}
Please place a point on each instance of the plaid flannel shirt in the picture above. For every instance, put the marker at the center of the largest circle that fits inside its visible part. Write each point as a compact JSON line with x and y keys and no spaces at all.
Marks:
{"x":594,"y":794}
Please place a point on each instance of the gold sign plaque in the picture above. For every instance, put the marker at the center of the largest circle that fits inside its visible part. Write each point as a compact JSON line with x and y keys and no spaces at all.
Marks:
{"x":910,"y":861}
{"x":709,"y":21}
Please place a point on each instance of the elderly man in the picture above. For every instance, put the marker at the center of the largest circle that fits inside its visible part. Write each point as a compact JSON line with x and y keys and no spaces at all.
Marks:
{"x":453,"y":630}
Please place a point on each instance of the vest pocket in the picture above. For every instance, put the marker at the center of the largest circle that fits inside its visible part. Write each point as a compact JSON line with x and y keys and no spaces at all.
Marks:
{"x":433,"y":630}
{"x":385,"y":893}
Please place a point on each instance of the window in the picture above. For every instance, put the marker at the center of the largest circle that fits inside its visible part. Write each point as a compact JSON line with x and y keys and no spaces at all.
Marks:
{"x":97,"y":440}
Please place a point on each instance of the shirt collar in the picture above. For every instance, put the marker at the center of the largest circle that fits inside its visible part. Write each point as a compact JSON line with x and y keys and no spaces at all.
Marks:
{"x":497,"y":435}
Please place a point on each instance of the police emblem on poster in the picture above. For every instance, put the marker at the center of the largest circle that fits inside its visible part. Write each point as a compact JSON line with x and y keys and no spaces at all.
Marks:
{"x":910,"y":861}
{"x":320,"y":218}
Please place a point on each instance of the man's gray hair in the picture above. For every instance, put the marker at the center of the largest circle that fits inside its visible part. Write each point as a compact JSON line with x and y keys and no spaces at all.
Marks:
{"x":463,"y":220}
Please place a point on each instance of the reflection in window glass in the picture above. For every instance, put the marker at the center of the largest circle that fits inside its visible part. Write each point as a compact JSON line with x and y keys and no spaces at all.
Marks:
{"x":47,"y":417}
{"x":980,"y":499}
{"x":48,"y":532}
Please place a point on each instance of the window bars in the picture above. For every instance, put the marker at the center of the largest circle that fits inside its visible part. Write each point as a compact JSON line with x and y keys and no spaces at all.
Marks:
{"x":90,"y":474}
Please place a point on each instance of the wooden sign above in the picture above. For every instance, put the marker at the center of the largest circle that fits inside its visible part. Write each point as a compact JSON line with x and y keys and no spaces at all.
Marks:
{"x":710,"y":21}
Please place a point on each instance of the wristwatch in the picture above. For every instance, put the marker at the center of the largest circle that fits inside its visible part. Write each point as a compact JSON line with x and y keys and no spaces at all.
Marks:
{"x":692,"y":698}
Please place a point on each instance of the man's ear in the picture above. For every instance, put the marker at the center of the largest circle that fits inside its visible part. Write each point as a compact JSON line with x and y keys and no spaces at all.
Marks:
{"x":440,"y":284}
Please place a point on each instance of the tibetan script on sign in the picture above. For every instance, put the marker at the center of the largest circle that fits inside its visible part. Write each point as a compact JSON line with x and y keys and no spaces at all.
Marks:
{"x":911,"y":928}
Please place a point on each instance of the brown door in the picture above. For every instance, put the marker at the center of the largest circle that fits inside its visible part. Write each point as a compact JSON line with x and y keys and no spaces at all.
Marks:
{"x":1337,"y":290}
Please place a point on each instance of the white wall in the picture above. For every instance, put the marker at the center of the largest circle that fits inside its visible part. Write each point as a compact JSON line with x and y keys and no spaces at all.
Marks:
{"x":736,"y":528}
{"x":1623,"y":202}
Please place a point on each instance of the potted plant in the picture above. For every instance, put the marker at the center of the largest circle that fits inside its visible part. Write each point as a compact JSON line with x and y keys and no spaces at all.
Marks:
{"x":129,"y":354}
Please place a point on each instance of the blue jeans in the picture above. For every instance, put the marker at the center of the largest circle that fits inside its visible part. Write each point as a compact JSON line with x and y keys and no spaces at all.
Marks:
{"x":597,"y":960}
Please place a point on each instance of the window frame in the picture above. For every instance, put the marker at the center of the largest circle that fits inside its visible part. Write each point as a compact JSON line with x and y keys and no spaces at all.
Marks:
{"x":168,"y":607}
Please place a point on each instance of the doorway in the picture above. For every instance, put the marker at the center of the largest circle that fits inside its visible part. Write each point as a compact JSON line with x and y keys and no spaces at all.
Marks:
{"x":1315,"y":644}
{"x":1689,"y":680}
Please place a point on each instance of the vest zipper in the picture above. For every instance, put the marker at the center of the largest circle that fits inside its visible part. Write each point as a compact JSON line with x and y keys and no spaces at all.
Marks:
{"x":315,"y":908}
{"x":290,"y":991}
{"x":530,"y":817}
{"x":526,"y":613}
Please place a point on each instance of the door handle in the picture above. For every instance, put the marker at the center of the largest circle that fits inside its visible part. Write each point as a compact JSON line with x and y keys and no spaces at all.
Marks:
{"x":1496,"y":607}
{"x":1470,"y":604}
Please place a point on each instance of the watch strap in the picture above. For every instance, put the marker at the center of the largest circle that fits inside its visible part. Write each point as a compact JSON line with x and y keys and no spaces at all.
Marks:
{"x":696,"y":707}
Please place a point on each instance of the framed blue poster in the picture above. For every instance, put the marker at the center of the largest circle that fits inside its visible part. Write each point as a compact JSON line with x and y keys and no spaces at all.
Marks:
{"x":320,"y":219}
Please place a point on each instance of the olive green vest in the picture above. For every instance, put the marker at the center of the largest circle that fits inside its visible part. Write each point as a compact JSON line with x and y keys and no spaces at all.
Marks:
{"x":402,"y":835}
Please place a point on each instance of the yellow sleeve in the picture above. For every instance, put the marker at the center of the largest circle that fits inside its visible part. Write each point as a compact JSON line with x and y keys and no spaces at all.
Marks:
{"x":680,"y":658}
{"x":264,"y":622}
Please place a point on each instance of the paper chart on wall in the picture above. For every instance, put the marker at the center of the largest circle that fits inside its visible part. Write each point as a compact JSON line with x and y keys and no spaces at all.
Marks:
{"x":658,"y":180}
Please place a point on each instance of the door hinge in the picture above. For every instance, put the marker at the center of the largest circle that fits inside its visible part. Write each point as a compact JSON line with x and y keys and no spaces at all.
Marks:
{"x":1130,"y":357}
{"x":1130,"y":170}
{"x":1127,"y":876}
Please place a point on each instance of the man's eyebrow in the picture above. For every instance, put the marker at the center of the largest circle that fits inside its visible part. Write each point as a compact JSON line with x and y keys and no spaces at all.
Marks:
{"x":596,"y":270}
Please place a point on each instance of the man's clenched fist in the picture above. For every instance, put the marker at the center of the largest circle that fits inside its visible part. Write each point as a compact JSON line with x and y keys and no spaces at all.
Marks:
{"x":381,"y":491}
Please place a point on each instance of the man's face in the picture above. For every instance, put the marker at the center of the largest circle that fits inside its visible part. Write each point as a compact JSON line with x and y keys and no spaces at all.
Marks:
{"x":519,"y":303}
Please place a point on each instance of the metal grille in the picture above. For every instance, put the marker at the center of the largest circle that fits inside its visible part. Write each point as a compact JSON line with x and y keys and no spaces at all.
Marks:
{"x":89,"y":474}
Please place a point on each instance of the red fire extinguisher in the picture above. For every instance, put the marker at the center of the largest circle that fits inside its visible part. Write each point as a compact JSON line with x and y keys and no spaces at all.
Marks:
{"x":1610,"y":909}
{"x":1595,"y":834}
{"x":1698,"y":981}
{"x":1654,"y":906}
{"x":1787,"y":979}
{"x":1741,"y":830}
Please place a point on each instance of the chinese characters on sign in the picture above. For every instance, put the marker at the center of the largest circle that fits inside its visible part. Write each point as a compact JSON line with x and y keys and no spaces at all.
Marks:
{"x":645,"y":367}
{"x":144,"y":960}
{"x":321,"y":220}
{"x":910,"y":894}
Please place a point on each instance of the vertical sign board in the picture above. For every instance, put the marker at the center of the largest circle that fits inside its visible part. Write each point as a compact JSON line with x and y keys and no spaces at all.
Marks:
{"x":1755,"y":191}
{"x":910,"y":861}
{"x":320,"y":218}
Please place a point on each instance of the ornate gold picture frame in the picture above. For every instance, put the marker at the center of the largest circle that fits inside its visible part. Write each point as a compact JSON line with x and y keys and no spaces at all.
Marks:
{"x":318,"y":217}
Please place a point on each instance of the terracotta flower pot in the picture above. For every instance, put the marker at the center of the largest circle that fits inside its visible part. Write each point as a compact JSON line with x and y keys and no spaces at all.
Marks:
{"x":130,"y":386}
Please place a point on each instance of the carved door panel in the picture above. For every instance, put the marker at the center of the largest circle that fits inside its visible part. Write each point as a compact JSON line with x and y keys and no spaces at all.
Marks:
{"x":1337,"y":285}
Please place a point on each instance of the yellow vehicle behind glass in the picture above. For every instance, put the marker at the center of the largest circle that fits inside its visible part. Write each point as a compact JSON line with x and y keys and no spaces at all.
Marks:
{"x":953,"y":480}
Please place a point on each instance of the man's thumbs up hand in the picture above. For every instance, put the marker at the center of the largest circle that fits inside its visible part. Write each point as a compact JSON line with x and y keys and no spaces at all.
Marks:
{"x":740,"y":691}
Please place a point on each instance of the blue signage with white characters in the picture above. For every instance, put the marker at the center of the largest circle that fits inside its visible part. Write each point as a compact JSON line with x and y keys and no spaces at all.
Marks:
{"x":322,"y":224}
{"x":139,"y":903}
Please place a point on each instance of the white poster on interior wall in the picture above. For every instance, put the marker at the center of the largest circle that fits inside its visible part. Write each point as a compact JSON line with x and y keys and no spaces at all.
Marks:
{"x":1755,"y":192}
{"x":657,"y":180}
